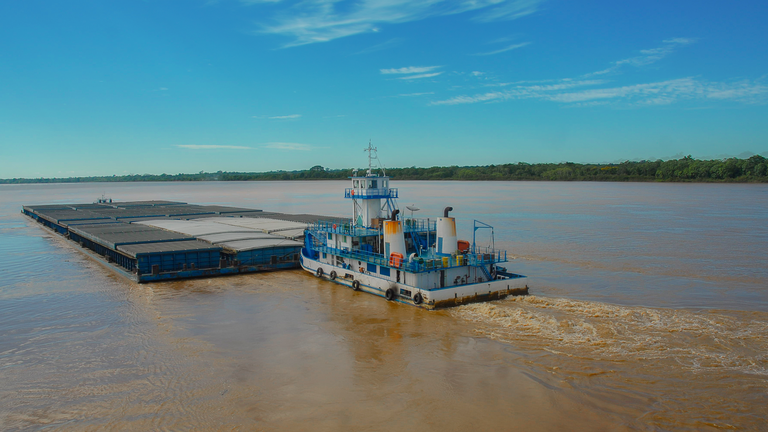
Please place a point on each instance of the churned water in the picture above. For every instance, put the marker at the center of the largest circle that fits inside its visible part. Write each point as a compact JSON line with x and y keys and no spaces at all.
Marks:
{"x":649,"y":311}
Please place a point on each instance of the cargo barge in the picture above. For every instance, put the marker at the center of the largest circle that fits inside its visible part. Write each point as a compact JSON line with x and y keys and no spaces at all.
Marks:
{"x":164,"y":240}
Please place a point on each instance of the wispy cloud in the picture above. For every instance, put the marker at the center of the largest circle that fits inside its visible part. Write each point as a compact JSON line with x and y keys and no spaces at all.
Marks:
{"x":648,"y":56}
{"x":412,"y":72}
{"x":508,"y":10}
{"x":314,"y":21}
{"x":505,"y":49}
{"x":211,"y":147}
{"x":419,"y":76}
{"x":593,"y":89}
{"x":288,"y":146}
{"x":520,"y":91}
{"x":409,"y":70}
{"x":646,"y":94}
{"x":279,"y":117}
{"x":653,"y":55}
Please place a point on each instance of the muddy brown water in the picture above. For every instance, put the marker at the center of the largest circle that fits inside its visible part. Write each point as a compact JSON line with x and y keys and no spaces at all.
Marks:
{"x":649,"y":312}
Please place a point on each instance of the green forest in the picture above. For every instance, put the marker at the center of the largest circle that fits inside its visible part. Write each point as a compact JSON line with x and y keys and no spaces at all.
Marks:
{"x":687,"y":169}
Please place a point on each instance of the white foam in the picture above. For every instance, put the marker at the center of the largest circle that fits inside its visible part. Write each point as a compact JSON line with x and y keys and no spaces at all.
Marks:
{"x":698,"y":340}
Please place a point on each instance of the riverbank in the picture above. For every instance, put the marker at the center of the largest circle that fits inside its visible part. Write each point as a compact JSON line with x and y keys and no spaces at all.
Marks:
{"x":687,"y":169}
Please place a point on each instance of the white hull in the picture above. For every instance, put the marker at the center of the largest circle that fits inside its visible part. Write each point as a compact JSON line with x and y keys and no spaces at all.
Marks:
{"x":432,"y":298}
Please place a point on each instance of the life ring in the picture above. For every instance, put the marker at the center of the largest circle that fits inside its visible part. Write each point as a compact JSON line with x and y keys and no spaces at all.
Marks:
{"x":356,"y":285}
{"x":332,"y":275}
{"x":334,"y":226}
{"x":319,"y":272}
{"x":418,"y":299}
{"x":389,"y":294}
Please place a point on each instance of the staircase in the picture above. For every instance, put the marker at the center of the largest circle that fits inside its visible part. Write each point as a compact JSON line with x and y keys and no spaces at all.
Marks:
{"x":419,"y":242}
{"x":485,"y":272}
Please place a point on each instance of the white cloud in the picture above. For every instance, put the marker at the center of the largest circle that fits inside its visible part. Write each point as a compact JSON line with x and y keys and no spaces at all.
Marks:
{"x":583,"y":92}
{"x":211,"y":147}
{"x":477,"y":73}
{"x":508,"y":10}
{"x":427,"y":75}
{"x":288,"y":146}
{"x":742,"y":90}
{"x":646,"y":94}
{"x":285,"y":117}
{"x":648,"y":56}
{"x":409,"y":70}
{"x":313,"y":21}
{"x":509,"y":48}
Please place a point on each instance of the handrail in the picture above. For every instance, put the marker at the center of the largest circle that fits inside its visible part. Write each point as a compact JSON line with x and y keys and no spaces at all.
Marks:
{"x":370,"y":193}
{"x":346,"y":228}
{"x":419,"y":225}
{"x":474,"y":260}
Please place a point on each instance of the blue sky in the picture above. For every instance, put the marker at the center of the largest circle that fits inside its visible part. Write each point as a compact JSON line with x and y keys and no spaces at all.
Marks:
{"x":133,"y":87}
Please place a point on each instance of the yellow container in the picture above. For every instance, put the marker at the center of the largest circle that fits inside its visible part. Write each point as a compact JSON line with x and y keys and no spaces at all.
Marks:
{"x":459,"y":260}
{"x":446,"y":261}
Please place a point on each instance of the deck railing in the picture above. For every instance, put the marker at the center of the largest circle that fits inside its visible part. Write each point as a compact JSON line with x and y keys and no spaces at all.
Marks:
{"x":381,"y":193}
{"x":419,"y":265}
{"x":343,"y":228}
{"x":346,"y":227}
{"x":419,"y":225}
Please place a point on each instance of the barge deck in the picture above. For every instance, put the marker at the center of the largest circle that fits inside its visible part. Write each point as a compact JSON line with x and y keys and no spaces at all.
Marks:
{"x":164,"y":240}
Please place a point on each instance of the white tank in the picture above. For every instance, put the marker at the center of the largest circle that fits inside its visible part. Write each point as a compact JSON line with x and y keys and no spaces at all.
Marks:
{"x":394,"y":241}
{"x":446,"y":235}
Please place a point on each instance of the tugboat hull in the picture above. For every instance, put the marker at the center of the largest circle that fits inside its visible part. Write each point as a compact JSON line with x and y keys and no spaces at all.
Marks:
{"x":424,"y":298}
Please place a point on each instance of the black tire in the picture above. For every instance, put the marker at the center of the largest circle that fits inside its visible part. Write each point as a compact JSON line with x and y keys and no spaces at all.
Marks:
{"x":418,"y":299}
{"x":356,"y":285}
{"x":389,"y":294}
{"x":319,"y":272}
{"x":332,"y":275}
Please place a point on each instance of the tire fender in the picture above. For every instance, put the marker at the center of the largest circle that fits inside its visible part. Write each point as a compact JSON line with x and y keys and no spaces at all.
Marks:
{"x":390,"y":294}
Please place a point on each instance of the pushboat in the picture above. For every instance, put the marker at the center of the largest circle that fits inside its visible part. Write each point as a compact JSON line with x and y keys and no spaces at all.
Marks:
{"x":415,"y":261}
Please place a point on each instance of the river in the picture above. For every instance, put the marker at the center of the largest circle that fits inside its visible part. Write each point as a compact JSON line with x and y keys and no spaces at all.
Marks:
{"x":649,"y":311}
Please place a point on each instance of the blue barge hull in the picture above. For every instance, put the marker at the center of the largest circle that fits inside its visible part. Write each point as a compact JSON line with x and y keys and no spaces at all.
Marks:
{"x":121,"y":236}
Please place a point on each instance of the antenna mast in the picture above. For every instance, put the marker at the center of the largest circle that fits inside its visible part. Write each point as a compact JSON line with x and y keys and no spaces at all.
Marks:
{"x":370,"y":149}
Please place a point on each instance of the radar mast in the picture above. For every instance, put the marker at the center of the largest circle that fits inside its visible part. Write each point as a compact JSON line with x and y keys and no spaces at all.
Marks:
{"x":373,"y":154}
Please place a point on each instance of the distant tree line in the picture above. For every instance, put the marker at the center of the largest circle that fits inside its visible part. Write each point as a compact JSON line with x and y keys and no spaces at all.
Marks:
{"x":687,"y":169}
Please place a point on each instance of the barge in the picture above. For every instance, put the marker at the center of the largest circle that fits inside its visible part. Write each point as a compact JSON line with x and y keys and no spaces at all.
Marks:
{"x":149,"y":241}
